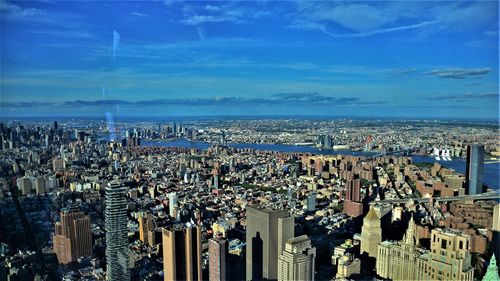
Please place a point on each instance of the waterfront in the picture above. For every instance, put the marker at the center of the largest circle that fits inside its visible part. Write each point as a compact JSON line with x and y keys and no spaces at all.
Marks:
{"x":491,"y":170}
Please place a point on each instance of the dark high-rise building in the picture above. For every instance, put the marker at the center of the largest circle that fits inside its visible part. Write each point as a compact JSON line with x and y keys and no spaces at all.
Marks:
{"x":115,"y":216}
{"x":328,"y":142}
{"x":72,"y":238}
{"x":56,"y":125}
{"x":182,"y":253}
{"x":353,"y":190}
{"x":217,"y":251}
{"x":223,"y":138}
{"x":266,"y":234}
{"x":474,"y":168}
{"x":352,"y":203}
{"x":320,"y":140}
{"x":133,"y":141}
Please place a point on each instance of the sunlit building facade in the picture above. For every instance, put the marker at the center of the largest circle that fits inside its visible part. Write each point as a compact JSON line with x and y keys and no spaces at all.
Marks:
{"x":449,"y":258}
{"x":296,"y":262}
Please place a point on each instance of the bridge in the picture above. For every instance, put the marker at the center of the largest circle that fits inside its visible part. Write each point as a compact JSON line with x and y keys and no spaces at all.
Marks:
{"x":491,"y":195}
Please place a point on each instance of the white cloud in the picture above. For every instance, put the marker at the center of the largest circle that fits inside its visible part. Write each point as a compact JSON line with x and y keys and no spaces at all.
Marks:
{"x":384,"y":30}
{"x":356,"y":17}
{"x":211,"y":8}
{"x":459,"y":73}
{"x":65,"y":33}
{"x":384,"y":17}
{"x":237,"y":13}
{"x":169,"y":3}
{"x":308,"y":25}
{"x":466,"y":18}
{"x":200,"y":19}
{"x":13,"y":11}
{"x":137,"y":14}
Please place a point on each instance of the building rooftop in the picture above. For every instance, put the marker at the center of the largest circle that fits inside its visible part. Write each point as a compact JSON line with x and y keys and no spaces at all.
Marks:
{"x":372,"y":215}
{"x":299,"y":239}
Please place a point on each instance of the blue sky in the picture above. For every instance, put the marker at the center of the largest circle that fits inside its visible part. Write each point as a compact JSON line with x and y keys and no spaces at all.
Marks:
{"x":176,"y":58}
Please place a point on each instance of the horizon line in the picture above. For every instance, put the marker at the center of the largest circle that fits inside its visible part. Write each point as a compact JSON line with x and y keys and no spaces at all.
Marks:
{"x":271,"y":116}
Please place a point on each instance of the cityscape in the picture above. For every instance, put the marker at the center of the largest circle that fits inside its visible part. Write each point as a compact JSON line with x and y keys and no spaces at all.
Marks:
{"x":268,"y":140}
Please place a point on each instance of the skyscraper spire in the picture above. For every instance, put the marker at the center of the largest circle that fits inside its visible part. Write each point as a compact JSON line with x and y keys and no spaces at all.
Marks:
{"x":492,"y":272}
{"x":410,"y":232}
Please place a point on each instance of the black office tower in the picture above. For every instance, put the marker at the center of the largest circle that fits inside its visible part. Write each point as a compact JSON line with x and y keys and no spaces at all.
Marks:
{"x":474,"y":168}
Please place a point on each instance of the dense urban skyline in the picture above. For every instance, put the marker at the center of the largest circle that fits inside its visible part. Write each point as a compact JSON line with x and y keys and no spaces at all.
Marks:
{"x":247,"y":199}
{"x":432,"y":59}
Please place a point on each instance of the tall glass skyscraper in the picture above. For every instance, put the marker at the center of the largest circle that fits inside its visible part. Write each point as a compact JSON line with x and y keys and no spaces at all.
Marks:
{"x":115,"y":216}
{"x":474,"y":169}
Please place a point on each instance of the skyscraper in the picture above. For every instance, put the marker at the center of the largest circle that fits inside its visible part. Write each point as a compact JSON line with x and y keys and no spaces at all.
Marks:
{"x":353,"y":190}
{"x":311,"y":202}
{"x":496,"y":218}
{"x":39,"y":185}
{"x":115,"y":216}
{"x":72,"y":238}
{"x":402,"y":260}
{"x":146,"y":228}
{"x":352,"y":203}
{"x":474,"y":168}
{"x":182,"y":253}
{"x":492,"y":271}
{"x":296,"y":262}
{"x":496,"y":231}
{"x":217,"y":251}
{"x":371,"y":234}
{"x":172,"y":203}
{"x":223,"y":138}
{"x":266,"y":234}
{"x":449,"y":258}
{"x":328,"y":142}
